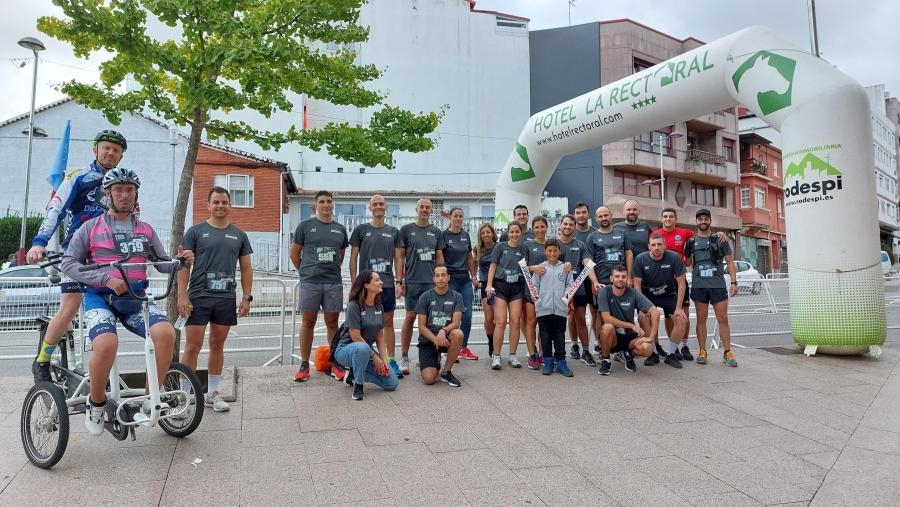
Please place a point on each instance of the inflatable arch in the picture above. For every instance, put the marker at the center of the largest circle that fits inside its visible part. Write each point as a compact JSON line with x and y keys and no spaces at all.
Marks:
{"x":836,"y":291}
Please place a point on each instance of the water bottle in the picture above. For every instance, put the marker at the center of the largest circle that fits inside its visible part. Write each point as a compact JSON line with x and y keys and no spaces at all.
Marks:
{"x":490,"y":299}
{"x":179,"y":324}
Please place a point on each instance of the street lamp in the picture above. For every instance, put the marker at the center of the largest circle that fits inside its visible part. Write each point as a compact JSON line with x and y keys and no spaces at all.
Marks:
{"x":662,"y":172}
{"x":34,"y":46}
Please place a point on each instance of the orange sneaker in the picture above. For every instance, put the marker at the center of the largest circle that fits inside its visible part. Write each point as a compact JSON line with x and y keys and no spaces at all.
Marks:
{"x":302,"y":374}
{"x":728,"y":358}
{"x":701,"y":356}
{"x":337,"y":372}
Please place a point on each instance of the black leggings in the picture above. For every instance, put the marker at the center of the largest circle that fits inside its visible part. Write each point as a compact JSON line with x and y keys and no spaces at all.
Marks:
{"x":553,"y":335}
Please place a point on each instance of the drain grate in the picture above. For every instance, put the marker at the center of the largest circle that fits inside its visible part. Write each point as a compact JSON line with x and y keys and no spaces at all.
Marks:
{"x":783,"y":351}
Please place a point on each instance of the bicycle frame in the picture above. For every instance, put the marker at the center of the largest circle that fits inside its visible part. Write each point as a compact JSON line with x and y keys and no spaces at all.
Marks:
{"x":119,"y":392}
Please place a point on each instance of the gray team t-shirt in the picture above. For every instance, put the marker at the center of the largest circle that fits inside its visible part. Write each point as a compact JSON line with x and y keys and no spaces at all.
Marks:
{"x":216,"y":254}
{"x":658,"y":277}
{"x":573,"y":252}
{"x":456,"y":257}
{"x":421,"y":244}
{"x":638,"y":234}
{"x":507,"y":259}
{"x":320,"y":259}
{"x":607,"y":250}
{"x":582,"y":235}
{"x":439,"y":308}
{"x":484,"y":263}
{"x":535,"y":252}
{"x":376,"y":250}
{"x":622,"y":307}
{"x":369,"y":320}
{"x":707,"y":272}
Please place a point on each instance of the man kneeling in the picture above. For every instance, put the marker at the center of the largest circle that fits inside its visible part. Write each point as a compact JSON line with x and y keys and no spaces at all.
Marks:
{"x":439,"y":312}
{"x":619,"y":333}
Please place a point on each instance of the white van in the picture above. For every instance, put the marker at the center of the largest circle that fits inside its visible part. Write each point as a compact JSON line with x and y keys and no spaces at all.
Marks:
{"x":885,"y":263}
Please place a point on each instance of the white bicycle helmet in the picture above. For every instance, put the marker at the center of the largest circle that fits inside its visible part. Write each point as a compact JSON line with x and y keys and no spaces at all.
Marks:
{"x":120,"y":175}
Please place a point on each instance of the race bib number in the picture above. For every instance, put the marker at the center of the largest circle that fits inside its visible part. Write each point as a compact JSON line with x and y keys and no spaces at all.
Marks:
{"x":510,"y":276}
{"x":127,"y":243}
{"x":439,"y":319}
{"x":219,"y":282}
{"x":380,"y":266}
{"x":326,"y":254}
{"x":613,"y":256}
{"x":707,"y":271}
{"x":426,"y":254}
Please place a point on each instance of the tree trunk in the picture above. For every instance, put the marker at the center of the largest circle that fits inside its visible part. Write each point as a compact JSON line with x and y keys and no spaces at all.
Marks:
{"x":185,"y":185}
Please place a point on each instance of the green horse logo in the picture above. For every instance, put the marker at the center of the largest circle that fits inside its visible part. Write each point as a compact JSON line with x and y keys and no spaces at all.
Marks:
{"x":771,"y":75}
{"x":810,"y":163}
{"x":518,"y":173}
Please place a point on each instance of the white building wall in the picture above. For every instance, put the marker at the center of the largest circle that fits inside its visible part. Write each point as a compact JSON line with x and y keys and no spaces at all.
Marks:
{"x":432,"y":53}
{"x":149,"y":154}
{"x":884,"y":145}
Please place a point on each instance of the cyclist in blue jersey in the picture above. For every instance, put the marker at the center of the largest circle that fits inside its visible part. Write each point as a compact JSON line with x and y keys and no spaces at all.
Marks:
{"x":79,"y":198}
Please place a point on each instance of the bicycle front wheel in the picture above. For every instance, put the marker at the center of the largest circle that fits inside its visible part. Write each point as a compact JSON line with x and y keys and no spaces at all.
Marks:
{"x":45,"y":424}
{"x":189,"y":408}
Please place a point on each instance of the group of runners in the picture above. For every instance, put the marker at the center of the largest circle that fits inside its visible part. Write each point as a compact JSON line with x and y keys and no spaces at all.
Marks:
{"x":525,"y":281}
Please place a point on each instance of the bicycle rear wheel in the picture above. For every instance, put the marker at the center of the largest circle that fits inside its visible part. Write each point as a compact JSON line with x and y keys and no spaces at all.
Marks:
{"x":45,"y":424}
{"x":181,"y":378}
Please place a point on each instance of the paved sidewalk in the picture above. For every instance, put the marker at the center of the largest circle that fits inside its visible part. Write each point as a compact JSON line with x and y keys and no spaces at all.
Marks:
{"x":779,"y":429}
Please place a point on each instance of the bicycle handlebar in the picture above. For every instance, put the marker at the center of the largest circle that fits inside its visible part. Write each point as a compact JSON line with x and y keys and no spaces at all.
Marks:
{"x":51,"y":258}
{"x":121,"y":264}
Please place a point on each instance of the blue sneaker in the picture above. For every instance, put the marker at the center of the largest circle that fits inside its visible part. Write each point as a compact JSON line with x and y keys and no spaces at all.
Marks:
{"x":563,"y":369}
{"x":548,"y":366}
{"x":395,"y":368}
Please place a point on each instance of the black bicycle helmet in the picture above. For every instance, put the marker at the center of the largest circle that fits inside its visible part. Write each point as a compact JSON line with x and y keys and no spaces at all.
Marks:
{"x":120,"y":175}
{"x":111,"y":136}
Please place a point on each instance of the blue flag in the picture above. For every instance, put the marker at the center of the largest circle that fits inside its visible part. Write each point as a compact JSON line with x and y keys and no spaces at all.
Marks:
{"x":58,"y":168}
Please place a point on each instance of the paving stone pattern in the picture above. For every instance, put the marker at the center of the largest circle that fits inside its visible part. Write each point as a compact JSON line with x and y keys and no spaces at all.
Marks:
{"x":777,"y":430}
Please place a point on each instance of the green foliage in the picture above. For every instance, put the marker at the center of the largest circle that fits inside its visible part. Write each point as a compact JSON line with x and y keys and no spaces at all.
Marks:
{"x":11,"y":229}
{"x":235,"y":55}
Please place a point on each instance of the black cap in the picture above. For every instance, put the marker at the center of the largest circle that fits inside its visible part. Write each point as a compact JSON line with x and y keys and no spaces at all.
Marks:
{"x":703,"y":211}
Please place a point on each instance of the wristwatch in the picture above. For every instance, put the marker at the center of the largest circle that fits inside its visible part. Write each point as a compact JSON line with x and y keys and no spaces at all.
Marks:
{"x":248,"y":298}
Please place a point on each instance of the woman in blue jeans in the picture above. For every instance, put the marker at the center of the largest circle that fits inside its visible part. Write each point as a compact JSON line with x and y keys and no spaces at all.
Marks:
{"x":462,"y":268}
{"x":365,"y":321}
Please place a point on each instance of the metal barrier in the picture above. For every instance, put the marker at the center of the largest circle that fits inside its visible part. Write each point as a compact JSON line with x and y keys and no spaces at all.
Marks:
{"x":269,"y":335}
{"x":23,"y":300}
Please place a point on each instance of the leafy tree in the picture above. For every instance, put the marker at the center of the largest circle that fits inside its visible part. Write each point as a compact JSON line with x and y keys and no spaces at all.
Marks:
{"x":234,"y":55}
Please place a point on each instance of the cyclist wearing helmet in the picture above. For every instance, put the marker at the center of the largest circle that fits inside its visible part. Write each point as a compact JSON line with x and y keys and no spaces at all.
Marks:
{"x":78,"y":198}
{"x":105,"y":239}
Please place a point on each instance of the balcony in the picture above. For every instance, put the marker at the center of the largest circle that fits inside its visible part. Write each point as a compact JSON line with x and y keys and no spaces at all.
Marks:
{"x":708,"y":122}
{"x":706,"y":167}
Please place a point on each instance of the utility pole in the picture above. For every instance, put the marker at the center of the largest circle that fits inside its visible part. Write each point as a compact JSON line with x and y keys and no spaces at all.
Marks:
{"x":572,"y":4}
{"x":813,"y":31}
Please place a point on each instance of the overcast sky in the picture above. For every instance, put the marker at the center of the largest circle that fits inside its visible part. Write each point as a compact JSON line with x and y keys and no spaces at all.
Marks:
{"x":861,"y":38}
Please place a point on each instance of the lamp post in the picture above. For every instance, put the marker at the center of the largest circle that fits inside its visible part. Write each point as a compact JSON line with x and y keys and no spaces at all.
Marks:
{"x":34,"y":45}
{"x":662,"y":172}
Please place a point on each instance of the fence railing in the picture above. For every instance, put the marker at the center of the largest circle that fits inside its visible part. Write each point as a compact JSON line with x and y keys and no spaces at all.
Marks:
{"x":269,"y":335}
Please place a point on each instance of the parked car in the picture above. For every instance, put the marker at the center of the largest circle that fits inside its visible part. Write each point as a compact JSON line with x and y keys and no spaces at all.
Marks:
{"x":26,"y":294}
{"x":748,"y":278}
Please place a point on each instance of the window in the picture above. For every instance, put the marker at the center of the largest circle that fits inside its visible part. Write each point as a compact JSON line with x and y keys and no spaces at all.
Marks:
{"x":487,"y":211}
{"x":775,"y":168}
{"x":779,"y":202}
{"x":640,"y":65}
{"x":633,"y":184}
{"x":728,"y":149}
{"x":706,"y":195}
{"x":647,"y":141}
{"x":239,"y":185}
{"x":745,"y":197}
{"x":760,"y":197}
